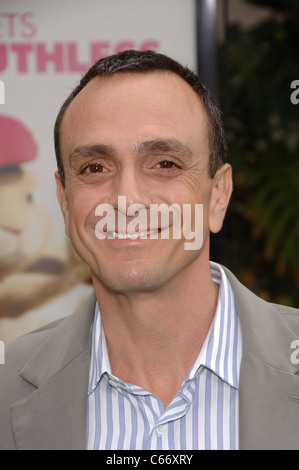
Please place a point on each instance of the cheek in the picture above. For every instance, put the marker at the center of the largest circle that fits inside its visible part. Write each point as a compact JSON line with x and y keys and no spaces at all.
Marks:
{"x":81,"y":212}
{"x":189,"y":194}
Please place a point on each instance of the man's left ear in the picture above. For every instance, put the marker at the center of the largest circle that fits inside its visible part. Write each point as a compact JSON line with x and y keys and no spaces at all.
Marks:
{"x":220,"y":196}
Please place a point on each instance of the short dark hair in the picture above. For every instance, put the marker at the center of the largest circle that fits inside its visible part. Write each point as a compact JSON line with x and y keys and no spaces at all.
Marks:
{"x":146,"y":62}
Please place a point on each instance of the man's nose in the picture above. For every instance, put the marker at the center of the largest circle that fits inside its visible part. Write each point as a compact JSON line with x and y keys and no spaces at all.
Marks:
{"x":131,"y":184}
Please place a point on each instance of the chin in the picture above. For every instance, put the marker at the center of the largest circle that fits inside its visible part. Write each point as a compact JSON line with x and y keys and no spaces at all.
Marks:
{"x":135,"y":280}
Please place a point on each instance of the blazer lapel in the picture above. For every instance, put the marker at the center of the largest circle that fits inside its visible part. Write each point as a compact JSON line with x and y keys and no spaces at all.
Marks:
{"x":53,"y":416}
{"x":269,"y":386}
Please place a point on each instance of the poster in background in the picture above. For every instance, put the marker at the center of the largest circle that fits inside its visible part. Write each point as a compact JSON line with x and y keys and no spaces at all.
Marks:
{"x":45,"y":47}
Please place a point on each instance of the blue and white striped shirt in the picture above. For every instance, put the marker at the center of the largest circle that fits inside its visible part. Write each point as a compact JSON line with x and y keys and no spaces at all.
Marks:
{"x":203,"y":414}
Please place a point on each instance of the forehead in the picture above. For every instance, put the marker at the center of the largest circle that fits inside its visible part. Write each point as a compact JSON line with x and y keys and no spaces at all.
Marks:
{"x":132,"y":107}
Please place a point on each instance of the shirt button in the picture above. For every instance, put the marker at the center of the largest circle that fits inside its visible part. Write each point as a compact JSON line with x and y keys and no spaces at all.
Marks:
{"x":160,"y":430}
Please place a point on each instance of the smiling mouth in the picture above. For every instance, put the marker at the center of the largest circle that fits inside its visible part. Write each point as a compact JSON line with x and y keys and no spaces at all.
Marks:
{"x":153,"y":234}
{"x":132,"y":236}
{"x":135,"y":235}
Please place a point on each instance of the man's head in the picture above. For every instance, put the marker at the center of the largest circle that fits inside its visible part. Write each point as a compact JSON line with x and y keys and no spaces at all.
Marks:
{"x":142,"y":126}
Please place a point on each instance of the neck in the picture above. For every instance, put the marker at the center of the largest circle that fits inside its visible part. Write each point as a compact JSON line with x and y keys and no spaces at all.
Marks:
{"x":153,"y":338}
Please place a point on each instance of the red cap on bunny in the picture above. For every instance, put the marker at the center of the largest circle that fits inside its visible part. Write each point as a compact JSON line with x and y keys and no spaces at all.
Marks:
{"x":16,"y":143}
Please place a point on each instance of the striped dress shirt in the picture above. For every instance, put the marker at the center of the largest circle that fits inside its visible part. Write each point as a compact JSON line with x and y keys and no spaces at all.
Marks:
{"x":203,"y":414}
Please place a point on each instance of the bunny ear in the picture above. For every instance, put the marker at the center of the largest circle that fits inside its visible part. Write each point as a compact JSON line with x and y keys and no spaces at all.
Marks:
{"x":17,"y":144}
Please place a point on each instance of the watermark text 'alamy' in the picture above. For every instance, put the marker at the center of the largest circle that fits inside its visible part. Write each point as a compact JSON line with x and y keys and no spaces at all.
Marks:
{"x":157,"y":221}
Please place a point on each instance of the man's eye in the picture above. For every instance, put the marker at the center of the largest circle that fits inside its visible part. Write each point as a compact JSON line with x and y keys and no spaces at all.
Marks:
{"x":167,"y":164}
{"x":94,"y":168}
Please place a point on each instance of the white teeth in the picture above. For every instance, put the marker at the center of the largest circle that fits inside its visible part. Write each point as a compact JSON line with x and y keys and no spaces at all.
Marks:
{"x":132,"y":236}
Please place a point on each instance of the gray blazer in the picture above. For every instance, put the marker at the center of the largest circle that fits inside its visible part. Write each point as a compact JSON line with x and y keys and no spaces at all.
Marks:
{"x":43,"y":385}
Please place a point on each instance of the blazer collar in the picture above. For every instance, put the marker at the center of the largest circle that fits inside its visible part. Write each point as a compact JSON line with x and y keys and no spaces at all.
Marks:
{"x":67,"y":341}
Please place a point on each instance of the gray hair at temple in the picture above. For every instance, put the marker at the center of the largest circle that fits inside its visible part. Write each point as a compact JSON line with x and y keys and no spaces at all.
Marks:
{"x":147,"y":62}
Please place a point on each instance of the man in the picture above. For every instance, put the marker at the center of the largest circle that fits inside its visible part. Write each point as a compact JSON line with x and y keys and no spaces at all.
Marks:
{"x":172,"y":352}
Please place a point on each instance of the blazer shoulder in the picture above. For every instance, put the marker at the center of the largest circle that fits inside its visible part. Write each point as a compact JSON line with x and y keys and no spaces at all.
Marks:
{"x":18,"y":352}
{"x":290,"y":316}
{"x":16,"y":355}
{"x":285,"y":310}
{"x":21,"y":349}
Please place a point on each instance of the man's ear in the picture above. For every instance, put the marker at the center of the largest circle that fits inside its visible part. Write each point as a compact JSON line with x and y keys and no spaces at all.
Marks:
{"x":60,"y":191}
{"x":220,"y":196}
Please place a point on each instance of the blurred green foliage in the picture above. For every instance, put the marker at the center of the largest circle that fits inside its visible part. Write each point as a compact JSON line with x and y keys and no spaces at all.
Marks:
{"x":257,"y":67}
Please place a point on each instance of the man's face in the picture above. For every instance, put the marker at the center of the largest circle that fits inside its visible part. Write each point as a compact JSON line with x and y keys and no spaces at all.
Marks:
{"x":142,"y":136}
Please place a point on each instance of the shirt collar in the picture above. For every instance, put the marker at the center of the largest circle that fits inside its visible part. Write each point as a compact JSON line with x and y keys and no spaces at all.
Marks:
{"x":221,"y":351}
{"x":99,"y":357}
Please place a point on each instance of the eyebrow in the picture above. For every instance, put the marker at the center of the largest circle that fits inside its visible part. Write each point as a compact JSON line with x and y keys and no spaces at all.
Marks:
{"x":85,"y":152}
{"x":164,"y":146}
